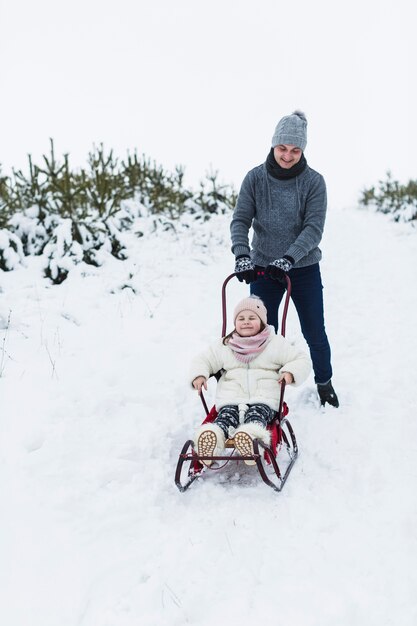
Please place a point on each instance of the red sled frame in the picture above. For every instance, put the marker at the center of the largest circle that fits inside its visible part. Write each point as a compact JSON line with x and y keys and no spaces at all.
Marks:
{"x":192,"y":464}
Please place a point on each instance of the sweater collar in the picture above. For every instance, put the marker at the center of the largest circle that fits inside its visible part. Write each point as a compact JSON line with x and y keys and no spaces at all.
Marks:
{"x":276,"y":171}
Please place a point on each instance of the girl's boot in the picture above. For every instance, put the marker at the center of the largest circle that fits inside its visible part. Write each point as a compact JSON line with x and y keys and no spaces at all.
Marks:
{"x":245,"y":435}
{"x":209,"y":439}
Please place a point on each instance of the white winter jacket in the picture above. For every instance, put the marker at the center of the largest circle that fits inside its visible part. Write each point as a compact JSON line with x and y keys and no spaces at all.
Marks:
{"x":254,"y":382}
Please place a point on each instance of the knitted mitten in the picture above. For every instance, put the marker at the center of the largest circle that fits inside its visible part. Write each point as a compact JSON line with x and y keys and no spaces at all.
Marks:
{"x":245,"y":269}
{"x":277,"y":270}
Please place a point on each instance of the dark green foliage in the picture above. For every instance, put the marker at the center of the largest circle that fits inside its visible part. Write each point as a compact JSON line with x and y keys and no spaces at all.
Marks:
{"x":104,"y":183}
{"x":394,"y":198}
{"x":56,"y":277}
{"x":101,"y":187}
{"x":6,"y":201}
{"x":215,"y":199}
{"x":156,"y":188}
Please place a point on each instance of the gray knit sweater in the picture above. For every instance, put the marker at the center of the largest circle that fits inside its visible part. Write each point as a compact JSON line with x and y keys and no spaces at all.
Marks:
{"x":287,"y":217}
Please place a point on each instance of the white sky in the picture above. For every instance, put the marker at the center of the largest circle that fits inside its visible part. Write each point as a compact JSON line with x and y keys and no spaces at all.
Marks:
{"x":204,"y":84}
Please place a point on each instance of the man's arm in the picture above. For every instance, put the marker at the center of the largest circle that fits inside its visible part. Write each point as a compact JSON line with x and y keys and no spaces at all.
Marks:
{"x":242,"y":218}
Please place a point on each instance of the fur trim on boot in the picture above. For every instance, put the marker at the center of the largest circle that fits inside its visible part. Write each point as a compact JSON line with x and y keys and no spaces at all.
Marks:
{"x":209,"y":441}
{"x":245,"y":435}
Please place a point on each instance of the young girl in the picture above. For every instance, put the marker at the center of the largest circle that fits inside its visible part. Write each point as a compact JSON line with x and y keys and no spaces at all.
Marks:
{"x":253,"y":360}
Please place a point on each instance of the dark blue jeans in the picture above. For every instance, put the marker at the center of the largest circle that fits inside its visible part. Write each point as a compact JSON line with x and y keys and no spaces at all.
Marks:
{"x":307,"y":295}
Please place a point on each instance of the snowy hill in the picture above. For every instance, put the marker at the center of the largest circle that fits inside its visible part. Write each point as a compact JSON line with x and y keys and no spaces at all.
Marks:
{"x":95,"y":406}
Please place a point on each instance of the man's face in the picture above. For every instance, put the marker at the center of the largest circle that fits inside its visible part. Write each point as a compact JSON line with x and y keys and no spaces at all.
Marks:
{"x":286,"y":155}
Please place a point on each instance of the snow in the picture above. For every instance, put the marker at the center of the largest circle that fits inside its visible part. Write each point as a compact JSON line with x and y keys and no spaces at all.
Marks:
{"x":96,"y":405}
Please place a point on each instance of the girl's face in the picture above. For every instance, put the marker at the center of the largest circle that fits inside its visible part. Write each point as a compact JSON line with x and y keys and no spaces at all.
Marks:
{"x":248,"y":323}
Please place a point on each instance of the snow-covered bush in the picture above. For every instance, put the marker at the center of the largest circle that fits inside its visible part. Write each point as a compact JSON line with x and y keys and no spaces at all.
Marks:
{"x":212,"y":197}
{"x":11,"y":250}
{"x":73,"y":216}
{"x":156,"y":189}
{"x":33,"y":232}
{"x":72,"y":243}
{"x":62,"y":252}
{"x":393,"y":198}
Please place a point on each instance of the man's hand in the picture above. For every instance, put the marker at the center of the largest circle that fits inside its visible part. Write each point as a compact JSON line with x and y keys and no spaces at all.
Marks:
{"x":277,"y":270}
{"x":245,"y":269}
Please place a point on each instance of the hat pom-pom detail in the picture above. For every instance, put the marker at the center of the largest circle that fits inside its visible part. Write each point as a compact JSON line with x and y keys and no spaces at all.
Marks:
{"x":301,"y":115}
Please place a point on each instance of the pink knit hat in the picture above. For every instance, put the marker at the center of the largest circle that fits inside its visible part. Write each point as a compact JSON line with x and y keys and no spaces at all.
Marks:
{"x":253,"y":303}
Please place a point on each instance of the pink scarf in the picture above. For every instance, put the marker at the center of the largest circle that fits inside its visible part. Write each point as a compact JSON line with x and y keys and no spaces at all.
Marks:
{"x":246,"y":349}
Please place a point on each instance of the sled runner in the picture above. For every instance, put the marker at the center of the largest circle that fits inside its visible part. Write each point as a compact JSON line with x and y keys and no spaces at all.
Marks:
{"x":283,"y":443}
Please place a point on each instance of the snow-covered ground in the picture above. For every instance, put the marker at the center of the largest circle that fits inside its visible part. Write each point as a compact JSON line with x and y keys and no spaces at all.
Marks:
{"x":95,"y":406}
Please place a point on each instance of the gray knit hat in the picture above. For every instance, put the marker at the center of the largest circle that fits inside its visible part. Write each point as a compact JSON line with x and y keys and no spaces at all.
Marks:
{"x":291,"y":130}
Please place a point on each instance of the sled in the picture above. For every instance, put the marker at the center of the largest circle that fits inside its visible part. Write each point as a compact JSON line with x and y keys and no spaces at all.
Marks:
{"x":283,"y":443}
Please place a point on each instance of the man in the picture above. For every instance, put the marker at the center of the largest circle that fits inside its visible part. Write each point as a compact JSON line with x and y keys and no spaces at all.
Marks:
{"x":284,"y":200}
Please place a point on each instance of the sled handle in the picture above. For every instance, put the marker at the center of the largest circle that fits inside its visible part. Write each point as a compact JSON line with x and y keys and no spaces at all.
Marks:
{"x":281,"y":400}
{"x":284,"y":313}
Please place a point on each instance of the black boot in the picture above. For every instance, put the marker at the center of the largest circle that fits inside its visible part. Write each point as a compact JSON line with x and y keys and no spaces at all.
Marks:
{"x":327,"y":394}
